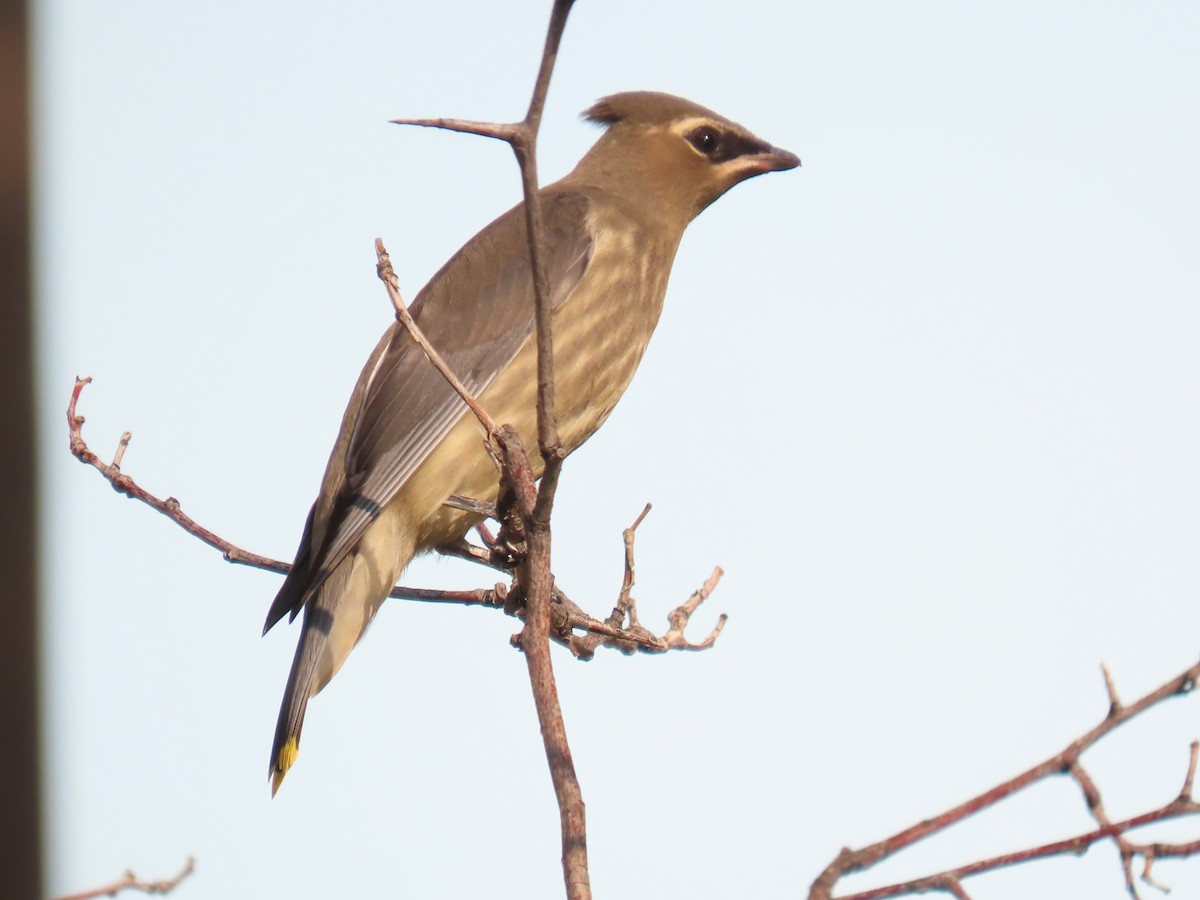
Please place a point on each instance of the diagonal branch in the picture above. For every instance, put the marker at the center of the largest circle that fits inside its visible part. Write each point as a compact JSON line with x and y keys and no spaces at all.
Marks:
{"x":387,"y":275}
{"x":169,"y":507}
{"x":1073,"y":846}
{"x":1064,"y":762}
{"x":130,"y":882}
{"x":571,"y":617}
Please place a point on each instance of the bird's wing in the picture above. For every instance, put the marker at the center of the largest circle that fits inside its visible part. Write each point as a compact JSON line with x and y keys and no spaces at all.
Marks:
{"x":478,"y":312}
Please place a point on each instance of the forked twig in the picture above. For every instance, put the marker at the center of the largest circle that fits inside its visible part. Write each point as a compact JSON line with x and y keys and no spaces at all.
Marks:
{"x":574,"y":618}
{"x":130,"y":882}
{"x":1065,"y":762}
{"x":536,"y":579}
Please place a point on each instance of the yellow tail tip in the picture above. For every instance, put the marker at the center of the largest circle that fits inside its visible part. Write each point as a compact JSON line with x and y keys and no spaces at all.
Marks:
{"x":287,"y":756}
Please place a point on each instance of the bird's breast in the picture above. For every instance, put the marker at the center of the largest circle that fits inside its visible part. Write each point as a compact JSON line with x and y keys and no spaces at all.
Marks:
{"x":602,"y":331}
{"x":600,"y":334}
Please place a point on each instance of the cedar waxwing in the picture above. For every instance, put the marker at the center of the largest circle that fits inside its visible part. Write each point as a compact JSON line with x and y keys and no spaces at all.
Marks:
{"x":407,"y":441}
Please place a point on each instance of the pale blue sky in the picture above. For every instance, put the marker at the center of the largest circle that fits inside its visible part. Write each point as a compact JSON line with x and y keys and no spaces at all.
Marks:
{"x":931,"y":400}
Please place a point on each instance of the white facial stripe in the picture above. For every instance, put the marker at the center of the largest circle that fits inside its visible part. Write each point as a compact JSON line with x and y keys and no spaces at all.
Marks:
{"x":686,"y":126}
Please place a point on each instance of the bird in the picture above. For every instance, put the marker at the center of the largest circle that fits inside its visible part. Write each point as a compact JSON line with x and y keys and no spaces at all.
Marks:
{"x":407,"y":442}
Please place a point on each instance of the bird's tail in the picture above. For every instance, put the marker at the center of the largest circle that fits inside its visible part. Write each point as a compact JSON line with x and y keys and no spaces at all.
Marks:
{"x":336,"y":616}
{"x":314,"y":634}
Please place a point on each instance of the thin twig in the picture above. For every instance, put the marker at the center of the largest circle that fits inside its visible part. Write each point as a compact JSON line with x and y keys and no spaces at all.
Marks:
{"x":1185,"y":793}
{"x":1069,"y":847}
{"x":500,"y":131}
{"x":1095,"y":804}
{"x":1064,"y":762}
{"x":574,"y":617}
{"x":387,"y":275}
{"x":682,"y":615}
{"x":130,"y":882}
{"x":169,"y":507}
{"x":624,"y":632}
{"x":625,"y":602}
{"x":1114,"y":701}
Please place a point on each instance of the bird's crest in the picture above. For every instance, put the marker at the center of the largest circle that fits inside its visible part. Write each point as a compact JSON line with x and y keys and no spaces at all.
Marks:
{"x":645,"y":108}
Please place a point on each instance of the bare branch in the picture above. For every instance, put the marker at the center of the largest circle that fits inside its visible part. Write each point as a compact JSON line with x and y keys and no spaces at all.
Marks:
{"x":573,"y":617}
{"x":632,"y":637}
{"x":1069,"y":847}
{"x":499,"y":131}
{"x":535,"y":578}
{"x":387,"y":275}
{"x":1065,"y":762}
{"x":169,"y":507}
{"x":1091,"y":795}
{"x":1114,"y":702}
{"x":130,"y":882}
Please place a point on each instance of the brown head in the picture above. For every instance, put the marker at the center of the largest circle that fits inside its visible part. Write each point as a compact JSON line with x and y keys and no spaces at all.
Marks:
{"x":670,"y":152}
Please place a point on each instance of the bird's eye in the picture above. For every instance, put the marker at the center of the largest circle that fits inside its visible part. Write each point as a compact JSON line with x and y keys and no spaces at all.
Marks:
{"x":706,"y":140}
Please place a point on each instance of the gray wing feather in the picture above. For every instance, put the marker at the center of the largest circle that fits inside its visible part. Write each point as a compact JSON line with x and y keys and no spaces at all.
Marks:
{"x":477,"y":311}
